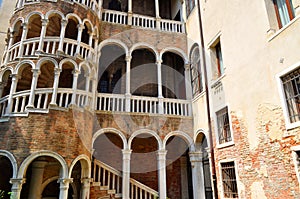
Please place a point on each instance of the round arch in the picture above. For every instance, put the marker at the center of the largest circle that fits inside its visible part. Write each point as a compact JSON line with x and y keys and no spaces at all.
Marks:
{"x":45,"y":59}
{"x":18,"y":68}
{"x":86,"y":67}
{"x":72,"y":15}
{"x":85,"y":165}
{"x":54,"y":12}
{"x":176,"y":51}
{"x":30,"y":158}
{"x":5,"y":70}
{"x":110,"y":130}
{"x":32,"y":14}
{"x":12,"y":160}
{"x":143,"y":45}
{"x":16,"y":21}
{"x":145,"y":131}
{"x":113,"y":42}
{"x":183,"y":135}
{"x":62,"y":62}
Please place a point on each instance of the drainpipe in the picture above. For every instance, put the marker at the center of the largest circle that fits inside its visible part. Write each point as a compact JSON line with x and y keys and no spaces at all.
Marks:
{"x":208,"y":107}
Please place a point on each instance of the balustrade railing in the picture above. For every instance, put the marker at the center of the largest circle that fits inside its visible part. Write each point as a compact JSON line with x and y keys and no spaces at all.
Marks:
{"x":142,"y":21}
{"x":3,"y":106}
{"x":50,"y":46}
{"x":107,"y":176}
{"x":141,"y":104}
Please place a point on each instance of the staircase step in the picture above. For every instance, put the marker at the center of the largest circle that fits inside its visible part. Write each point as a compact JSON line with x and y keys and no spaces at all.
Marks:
{"x":104,"y":188}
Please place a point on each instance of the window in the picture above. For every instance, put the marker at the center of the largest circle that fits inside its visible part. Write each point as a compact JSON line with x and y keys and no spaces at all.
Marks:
{"x":196,"y":72}
{"x":284,"y":11}
{"x":229,"y":180}
{"x":291,"y":86}
{"x":190,"y":4}
{"x":219,"y":60}
{"x":224,"y":133}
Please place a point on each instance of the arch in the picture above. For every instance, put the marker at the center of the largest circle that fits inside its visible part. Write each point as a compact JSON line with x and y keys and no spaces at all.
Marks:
{"x":90,"y":24}
{"x":86,"y":67}
{"x":145,"y":131}
{"x":183,"y":135}
{"x":205,"y":135}
{"x":15,"y":22}
{"x":110,"y":130}
{"x":176,"y":51}
{"x":113,"y":42}
{"x":199,"y":131}
{"x":19,"y":66}
{"x":32,"y":14}
{"x":12,"y":160}
{"x":143,"y":45}
{"x":195,"y":45}
{"x":30,"y":158}
{"x":45,"y":59}
{"x":62,"y":62}
{"x":9,"y":68}
{"x":54,"y":12}
{"x":85,"y":166}
{"x":72,"y":15}
{"x":48,"y":181}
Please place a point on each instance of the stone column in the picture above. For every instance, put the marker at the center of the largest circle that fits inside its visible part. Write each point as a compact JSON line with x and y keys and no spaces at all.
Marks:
{"x":158,"y":19}
{"x":126,"y":173}
{"x":13,"y":88}
{"x":35,"y":76}
{"x":2,"y":85}
{"x":127,"y":92}
{"x":16,"y":187}
{"x":85,"y":188}
{"x":55,"y":86}
{"x":187,"y":75}
{"x":197,"y":175}
{"x":64,"y":187}
{"x":91,"y":45}
{"x":87,"y":87}
{"x":74,"y":87}
{"x":36,"y":181}
{"x":10,"y":42}
{"x":62,"y":35}
{"x":42,"y":35}
{"x":130,"y":12}
{"x":80,"y":29}
{"x":162,"y":180}
{"x":159,"y":87}
{"x":24,"y":35}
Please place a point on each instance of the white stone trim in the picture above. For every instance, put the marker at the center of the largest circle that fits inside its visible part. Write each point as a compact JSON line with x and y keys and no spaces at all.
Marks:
{"x":189,"y":141}
{"x":86,"y":166}
{"x":143,"y":45}
{"x":30,"y":158}
{"x":145,"y":131}
{"x":110,"y":130}
{"x":32,"y":14}
{"x":175,"y":50}
{"x":13,"y":161}
{"x":113,"y":42}
{"x":21,"y":64}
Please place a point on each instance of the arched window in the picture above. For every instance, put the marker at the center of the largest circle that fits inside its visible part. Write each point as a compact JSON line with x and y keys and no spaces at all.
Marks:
{"x":196,"y":75}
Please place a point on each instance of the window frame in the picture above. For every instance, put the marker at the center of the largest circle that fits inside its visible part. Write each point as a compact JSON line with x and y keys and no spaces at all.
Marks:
{"x":219,"y":59}
{"x":288,"y":123}
{"x":290,"y":9}
{"x":222,"y":178}
{"x":196,"y":66}
{"x":189,"y":7}
{"x":231,"y":141}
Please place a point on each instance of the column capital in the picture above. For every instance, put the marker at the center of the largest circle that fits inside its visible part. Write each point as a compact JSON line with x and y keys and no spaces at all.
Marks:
{"x":24,"y":25}
{"x":17,"y":181}
{"x":126,"y":154}
{"x":161,"y":155}
{"x":187,"y":66}
{"x":57,"y":71}
{"x":35,"y":71}
{"x":195,"y":156}
{"x":64,"y":182}
{"x":76,"y":72}
{"x":80,"y":27}
{"x":14,"y":77}
{"x":128,"y":58}
{"x":159,"y":61}
{"x":64,"y":22}
{"x":44,"y":22}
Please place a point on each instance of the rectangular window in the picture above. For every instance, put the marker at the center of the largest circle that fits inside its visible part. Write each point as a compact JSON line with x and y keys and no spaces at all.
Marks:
{"x":229,"y":180}
{"x":291,"y":86}
{"x":223,"y":126}
{"x":219,"y":59}
{"x":190,"y":4}
{"x":284,"y":11}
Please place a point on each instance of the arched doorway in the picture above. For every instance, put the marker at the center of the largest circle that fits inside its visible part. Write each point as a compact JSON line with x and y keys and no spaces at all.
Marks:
{"x":6,"y":172}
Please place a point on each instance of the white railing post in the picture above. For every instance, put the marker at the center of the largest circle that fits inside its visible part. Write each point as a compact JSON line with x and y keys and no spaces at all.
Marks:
{"x":162,"y":185}
{"x":159,"y":86}
{"x":87,"y":88}
{"x":126,"y":173}
{"x":127,"y":92}
{"x":55,"y":86}
{"x":35,"y":76}
{"x":64,"y":187}
{"x":129,"y":12}
{"x":62,"y":34}
{"x":42,"y":35}
{"x":13,"y":88}
{"x":24,"y":35}
{"x":197,"y":174}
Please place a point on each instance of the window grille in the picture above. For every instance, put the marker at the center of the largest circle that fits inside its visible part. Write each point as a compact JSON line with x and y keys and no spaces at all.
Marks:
{"x":223,"y":126}
{"x":291,"y":86}
{"x":196,"y":72}
{"x":229,"y":180}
